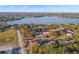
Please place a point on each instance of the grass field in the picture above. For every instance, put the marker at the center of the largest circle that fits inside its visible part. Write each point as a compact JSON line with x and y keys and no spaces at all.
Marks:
{"x":8,"y":37}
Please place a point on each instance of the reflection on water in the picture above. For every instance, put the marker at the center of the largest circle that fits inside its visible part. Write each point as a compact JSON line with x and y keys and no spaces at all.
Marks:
{"x":44,"y":20}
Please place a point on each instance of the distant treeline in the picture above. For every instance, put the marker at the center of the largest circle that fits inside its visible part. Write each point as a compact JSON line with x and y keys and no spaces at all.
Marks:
{"x":18,"y":15}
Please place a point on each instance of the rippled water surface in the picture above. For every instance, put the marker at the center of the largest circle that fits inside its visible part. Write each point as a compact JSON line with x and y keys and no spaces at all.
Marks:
{"x":44,"y":20}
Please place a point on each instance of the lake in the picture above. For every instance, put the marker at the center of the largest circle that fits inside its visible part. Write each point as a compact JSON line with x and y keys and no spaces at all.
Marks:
{"x":44,"y":20}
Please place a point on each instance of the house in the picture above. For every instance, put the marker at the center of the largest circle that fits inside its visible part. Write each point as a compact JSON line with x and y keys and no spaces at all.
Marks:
{"x":69,"y":33}
{"x":28,"y":37}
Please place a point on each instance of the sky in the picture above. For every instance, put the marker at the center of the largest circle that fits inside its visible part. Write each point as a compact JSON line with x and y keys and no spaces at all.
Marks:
{"x":39,"y":8}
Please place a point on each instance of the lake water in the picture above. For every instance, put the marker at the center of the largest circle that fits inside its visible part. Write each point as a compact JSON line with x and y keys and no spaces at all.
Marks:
{"x":44,"y":20}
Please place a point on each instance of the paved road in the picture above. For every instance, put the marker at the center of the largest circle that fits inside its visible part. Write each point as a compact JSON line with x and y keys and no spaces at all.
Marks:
{"x":20,"y":41}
